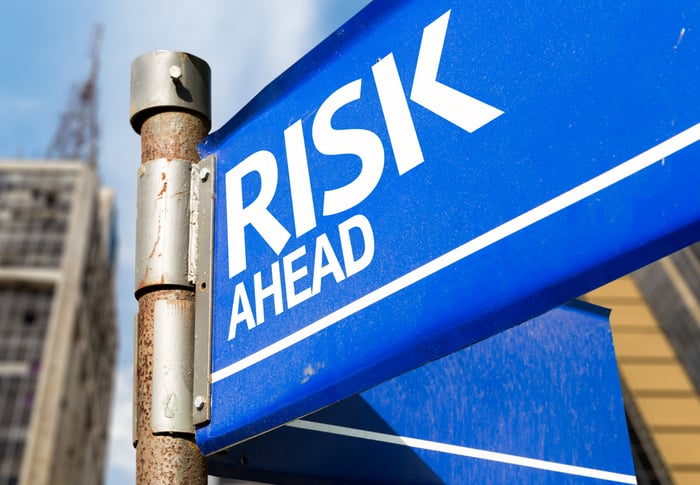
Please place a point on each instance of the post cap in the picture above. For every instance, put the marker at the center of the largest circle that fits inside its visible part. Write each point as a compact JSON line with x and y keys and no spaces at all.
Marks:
{"x":169,"y":79}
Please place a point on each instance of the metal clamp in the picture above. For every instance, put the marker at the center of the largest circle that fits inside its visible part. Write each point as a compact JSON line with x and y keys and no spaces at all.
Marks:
{"x":172,"y":366}
{"x":162,"y":222}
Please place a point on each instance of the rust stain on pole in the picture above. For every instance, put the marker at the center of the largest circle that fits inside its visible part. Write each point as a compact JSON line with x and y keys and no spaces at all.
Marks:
{"x":172,"y":135}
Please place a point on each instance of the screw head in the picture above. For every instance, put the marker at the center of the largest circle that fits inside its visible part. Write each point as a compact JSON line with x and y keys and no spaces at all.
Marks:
{"x":175,"y":72}
{"x":199,"y":403}
{"x":204,"y":175}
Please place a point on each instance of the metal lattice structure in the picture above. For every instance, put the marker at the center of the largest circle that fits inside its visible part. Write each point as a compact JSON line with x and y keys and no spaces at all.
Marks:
{"x":77,"y":136}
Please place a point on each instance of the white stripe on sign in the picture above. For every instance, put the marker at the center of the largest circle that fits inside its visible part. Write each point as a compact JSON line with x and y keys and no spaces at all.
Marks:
{"x":551,"y":207}
{"x":464,"y":451}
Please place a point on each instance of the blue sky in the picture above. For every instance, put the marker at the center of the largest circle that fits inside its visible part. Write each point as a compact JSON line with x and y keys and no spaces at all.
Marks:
{"x":46,"y":47}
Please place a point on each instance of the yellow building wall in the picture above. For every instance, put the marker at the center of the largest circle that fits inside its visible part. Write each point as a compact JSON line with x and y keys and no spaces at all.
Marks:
{"x":664,"y":396}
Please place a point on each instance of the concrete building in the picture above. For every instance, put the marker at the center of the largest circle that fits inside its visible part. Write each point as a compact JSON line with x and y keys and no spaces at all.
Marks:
{"x":58,"y":334}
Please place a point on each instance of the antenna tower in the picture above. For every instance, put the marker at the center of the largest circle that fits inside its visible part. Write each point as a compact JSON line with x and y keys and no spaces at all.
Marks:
{"x":77,"y":136}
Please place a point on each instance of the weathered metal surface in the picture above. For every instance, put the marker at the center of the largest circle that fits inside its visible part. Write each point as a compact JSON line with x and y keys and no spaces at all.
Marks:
{"x":162,"y":223}
{"x":172,"y":135}
{"x":173,"y":355}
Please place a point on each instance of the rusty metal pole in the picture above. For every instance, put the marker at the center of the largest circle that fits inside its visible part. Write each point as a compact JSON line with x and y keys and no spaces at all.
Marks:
{"x":171,"y":110}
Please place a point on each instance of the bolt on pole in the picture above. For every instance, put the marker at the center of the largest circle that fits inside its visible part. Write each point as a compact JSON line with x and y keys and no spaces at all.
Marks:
{"x":171,"y":110}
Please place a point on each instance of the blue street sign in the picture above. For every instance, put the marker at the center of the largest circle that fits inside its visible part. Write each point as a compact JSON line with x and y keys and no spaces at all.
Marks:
{"x":538,"y":403}
{"x":434,"y":173}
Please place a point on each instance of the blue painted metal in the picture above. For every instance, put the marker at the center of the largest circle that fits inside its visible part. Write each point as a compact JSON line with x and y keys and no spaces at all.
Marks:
{"x":498,"y":224}
{"x":546,"y":390}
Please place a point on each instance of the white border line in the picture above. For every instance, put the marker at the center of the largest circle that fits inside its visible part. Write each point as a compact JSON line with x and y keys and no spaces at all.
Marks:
{"x":557,"y":204}
{"x":464,"y":451}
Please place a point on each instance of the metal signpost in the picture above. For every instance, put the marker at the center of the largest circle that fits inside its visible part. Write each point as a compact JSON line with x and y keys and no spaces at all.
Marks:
{"x":434,"y":173}
{"x":524,"y":406}
{"x":170,"y":109}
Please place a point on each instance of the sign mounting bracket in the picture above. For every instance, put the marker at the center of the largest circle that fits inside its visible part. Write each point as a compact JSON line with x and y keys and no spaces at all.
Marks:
{"x":201,"y":237}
